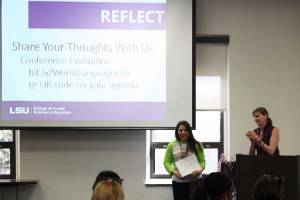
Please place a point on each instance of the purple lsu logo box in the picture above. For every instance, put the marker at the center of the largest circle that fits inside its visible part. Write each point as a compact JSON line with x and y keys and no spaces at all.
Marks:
{"x":74,"y":111}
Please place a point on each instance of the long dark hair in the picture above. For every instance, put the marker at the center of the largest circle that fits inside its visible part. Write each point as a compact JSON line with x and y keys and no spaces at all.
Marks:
{"x":214,"y":186}
{"x":263,"y":111}
{"x":268,"y":187}
{"x":191,"y":142}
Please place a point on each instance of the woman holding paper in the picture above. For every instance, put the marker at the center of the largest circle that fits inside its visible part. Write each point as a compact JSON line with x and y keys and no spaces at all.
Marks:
{"x":181,"y":150}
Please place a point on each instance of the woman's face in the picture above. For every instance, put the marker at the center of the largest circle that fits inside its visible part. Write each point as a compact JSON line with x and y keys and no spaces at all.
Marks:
{"x":183,"y":133}
{"x":260,"y":119}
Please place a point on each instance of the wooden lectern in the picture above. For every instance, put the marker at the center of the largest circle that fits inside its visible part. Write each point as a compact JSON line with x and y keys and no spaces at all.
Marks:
{"x":250,"y":168}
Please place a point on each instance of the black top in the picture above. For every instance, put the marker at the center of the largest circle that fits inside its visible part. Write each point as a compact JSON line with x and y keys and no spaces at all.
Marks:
{"x":266,"y":139}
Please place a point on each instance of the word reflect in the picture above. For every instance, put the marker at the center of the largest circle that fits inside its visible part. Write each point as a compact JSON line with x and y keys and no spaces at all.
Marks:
{"x":132,"y":17}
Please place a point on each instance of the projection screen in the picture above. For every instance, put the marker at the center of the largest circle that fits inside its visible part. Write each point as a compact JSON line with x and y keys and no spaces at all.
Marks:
{"x":96,"y":63}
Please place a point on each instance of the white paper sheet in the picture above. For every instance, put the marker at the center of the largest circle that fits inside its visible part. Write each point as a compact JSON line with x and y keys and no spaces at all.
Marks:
{"x":187,"y":165}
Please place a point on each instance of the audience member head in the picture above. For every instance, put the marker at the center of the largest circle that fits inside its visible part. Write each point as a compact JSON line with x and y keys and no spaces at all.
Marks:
{"x":108,"y":190}
{"x":268,"y":187}
{"x":216,"y":186}
{"x":107,"y":175}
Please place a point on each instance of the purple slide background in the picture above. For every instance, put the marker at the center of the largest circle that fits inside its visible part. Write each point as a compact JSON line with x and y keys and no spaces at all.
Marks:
{"x":86,"y":15}
{"x":86,"y":111}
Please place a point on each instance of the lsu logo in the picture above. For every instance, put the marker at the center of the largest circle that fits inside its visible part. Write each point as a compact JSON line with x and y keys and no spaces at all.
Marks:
{"x":19,"y":110}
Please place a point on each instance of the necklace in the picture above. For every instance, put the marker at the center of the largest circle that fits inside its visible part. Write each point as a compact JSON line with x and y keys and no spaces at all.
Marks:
{"x":183,"y":154}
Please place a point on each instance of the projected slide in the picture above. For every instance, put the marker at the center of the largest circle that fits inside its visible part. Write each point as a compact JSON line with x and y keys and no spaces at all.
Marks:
{"x":83,"y":60}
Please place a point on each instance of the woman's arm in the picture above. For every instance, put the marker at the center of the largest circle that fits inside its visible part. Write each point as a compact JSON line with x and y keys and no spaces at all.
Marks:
{"x":201,"y":156}
{"x":252,"y":148}
{"x":252,"y":136}
{"x":201,"y":160}
{"x":169,"y":161}
{"x":274,"y":141}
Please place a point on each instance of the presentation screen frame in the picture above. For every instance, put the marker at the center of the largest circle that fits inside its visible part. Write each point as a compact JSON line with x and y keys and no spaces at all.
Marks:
{"x":73,"y":125}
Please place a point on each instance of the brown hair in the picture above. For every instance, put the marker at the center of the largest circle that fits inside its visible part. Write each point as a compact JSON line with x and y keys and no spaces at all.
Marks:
{"x":264,"y":111}
{"x":108,"y":190}
{"x":261,"y":110}
{"x":192,"y":142}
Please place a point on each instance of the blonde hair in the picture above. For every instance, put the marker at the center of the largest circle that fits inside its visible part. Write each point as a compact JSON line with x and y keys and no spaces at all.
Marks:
{"x":108,"y":190}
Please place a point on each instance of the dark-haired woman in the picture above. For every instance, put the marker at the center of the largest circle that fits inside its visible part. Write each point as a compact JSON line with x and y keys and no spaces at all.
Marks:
{"x":184,"y":145}
{"x":265,"y":138}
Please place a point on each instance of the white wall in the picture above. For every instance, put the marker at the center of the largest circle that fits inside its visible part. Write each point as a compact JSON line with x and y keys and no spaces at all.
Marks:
{"x":264,"y":56}
{"x":264,"y":70}
{"x":67,"y":162}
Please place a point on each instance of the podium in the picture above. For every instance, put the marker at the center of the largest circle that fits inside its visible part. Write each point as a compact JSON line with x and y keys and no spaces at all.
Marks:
{"x":250,"y":167}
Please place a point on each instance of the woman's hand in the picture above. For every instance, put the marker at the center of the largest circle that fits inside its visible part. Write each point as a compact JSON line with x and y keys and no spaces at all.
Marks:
{"x":197,"y":172}
{"x":252,"y":136}
{"x":177,"y":174}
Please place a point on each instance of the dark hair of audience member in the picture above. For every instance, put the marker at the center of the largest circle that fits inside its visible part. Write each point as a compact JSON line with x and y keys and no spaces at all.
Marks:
{"x":216,"y":186}
{"x":268,"y":187}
